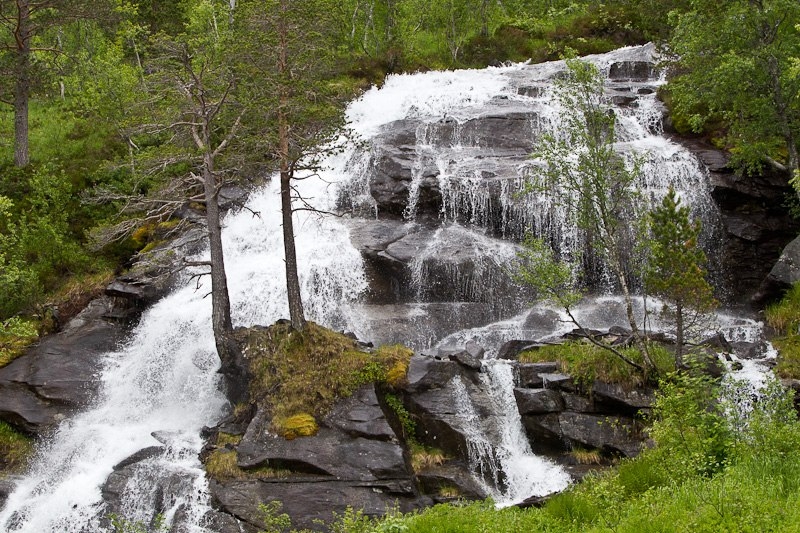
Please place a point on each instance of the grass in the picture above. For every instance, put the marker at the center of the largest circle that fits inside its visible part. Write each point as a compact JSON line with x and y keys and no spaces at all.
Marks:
{"x":305,"y":373}
{"x":586,"y":362}
{"x":583,"y":456}
{"x":664,"y":489}
{"x":423,"y":457}
{"x":15,"y":448}
{"x":221,"y":464}
{"x":784,"y":317}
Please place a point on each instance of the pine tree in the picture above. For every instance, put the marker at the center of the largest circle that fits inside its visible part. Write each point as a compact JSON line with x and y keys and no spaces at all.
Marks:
{"x":676,"y":271}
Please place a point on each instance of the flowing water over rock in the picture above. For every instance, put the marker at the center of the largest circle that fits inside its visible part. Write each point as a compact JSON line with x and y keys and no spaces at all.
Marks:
{"x":424,"y":259}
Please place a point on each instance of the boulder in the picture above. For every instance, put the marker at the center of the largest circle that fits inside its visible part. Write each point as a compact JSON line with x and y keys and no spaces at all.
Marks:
{"x":529,"y":375}
{"x":784,"y":274}
{"x":613,"y":397}
{"x":60,"y":373}
{"x":617,"y":434}
{"x":538,"y":401}
{"x":313,"y":500}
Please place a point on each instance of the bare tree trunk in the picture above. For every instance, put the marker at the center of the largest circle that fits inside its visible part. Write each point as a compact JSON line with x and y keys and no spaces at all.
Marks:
{"x":296,"y":314}
{"x":220,"y":299}
{"x":22,"y":86}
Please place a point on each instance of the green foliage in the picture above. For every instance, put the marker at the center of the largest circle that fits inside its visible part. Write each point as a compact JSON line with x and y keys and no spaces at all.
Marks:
{"x":274,"y":521}
{"x":15,"y":448}
{"x":551,"y":278}
{"x":701,"y":476}
{"x":676,"y":267}
{"x":784,"y":316}
{"x":587,"y":362}
{"x":407,"y":423}
{"x":307,"y":372}
{"x":734,"y":67}
{"x":126,"y":525}
{"x":16,"y":334}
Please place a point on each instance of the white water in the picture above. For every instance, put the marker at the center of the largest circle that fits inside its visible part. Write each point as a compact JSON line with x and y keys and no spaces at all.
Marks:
{"x":504,"y":464}
{"x":164,"y":380}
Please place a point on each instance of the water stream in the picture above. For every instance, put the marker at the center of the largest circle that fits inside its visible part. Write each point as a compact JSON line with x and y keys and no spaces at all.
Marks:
{"x":161,"y":387}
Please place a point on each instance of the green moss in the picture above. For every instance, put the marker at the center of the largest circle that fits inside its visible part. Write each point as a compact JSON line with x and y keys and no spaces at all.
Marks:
{"x":307,"y":372}
{"x":15,"y":448}
{"x":16,"y":334}
{"x":586,"y":362}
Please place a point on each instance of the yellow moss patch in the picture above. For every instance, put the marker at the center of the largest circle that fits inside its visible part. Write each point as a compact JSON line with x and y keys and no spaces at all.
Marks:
{"x":301,"y":425}
{"x":16,"y":334}
{"x":307,"y":372}
{"x":224,"y":439}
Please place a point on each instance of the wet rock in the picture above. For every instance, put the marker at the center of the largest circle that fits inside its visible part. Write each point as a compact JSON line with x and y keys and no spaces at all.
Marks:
{"x":558,"y":381}
{"x":465,"y":359}
{"x":510,"y":350}
{"x":474,"y":349}
{"x":60,"y":373}
{"x":529,"y":375}
{"x":435,"y":479}
{"x":309,"y":502}
{"x":538,"y":401}
{"x":784,"y":274}
{"x":614,"y":397}
{"x":631,"y":71}
{"x":614,"y":433}
{"x":361,"y":416}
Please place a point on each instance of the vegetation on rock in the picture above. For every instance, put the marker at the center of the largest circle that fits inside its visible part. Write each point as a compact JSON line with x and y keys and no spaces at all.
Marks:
{"x":784,"y":317}
{"x":303,"y":373}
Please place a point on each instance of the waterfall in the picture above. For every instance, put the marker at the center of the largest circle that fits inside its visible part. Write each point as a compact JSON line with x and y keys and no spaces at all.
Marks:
{"x":467,"y":138}
{"x":161,"y":388}
{"x":504,"y":464}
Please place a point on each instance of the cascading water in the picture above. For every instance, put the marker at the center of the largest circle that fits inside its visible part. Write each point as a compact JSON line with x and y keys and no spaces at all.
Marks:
{"x":466,"y":138}
{"x":162,"y":387}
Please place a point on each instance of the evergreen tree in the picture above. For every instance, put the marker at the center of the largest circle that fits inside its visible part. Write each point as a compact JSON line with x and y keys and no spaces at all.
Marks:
{"x":676,"y":269}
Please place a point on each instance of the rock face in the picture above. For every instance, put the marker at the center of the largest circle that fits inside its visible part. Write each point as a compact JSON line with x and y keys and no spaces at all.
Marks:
{"x":59,"y":374}
{"x":784,"y":274}
{"x":555,"y":415}
{"x":756,"y":222}
{"x":355,"y":459}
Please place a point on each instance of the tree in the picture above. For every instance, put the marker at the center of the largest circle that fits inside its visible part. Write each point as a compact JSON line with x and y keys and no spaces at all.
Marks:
{"x":675,"y":270}
{"x":590,"y":181}
{"x":286,"y":68}
{"x":21,"y":21}
{"x":190,"y":118}
{"x":733,"y":62}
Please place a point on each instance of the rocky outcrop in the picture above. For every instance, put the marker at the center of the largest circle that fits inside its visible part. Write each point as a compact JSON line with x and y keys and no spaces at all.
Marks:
{"x":356,"y":459}
{"x":757,"y":224}
{"x":556,"y":416}
{"x":784,"y":274}
{"x":60,"y":373}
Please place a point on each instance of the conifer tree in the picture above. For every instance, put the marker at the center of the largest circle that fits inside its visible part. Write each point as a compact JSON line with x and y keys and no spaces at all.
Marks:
{"x":676,"y":271}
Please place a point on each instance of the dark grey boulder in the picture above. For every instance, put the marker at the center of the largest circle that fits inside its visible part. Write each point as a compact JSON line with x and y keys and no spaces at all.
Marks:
{"x":615,"y":433}
{"x":538,"y":401}
{"x":60,"y":373}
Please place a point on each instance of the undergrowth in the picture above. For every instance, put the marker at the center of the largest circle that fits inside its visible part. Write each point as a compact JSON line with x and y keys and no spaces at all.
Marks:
{"x":15,"y":448}
{"x":784,"y":317}
{"x":298,"y":376}
{"x":586,"y":362}
{"x":704,"y":474}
